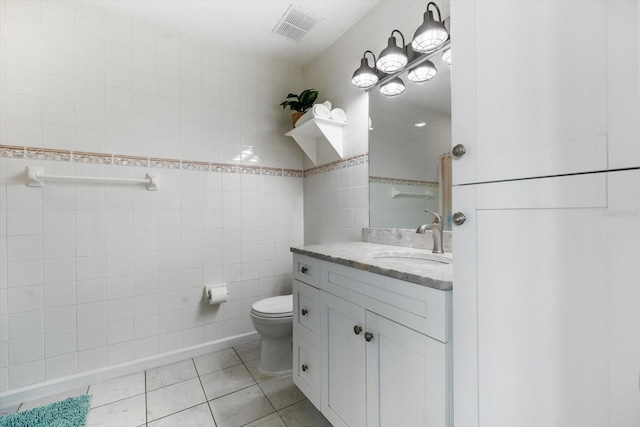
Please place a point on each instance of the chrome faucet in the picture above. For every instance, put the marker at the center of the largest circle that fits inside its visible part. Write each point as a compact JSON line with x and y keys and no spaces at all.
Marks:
{"x":436,"y":229}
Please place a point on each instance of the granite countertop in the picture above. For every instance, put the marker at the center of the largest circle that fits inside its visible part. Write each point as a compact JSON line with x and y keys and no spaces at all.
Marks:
{"x":362,"y":255}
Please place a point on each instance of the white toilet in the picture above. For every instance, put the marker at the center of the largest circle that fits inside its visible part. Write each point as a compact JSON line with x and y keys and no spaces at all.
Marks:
{"x":273,"y":319}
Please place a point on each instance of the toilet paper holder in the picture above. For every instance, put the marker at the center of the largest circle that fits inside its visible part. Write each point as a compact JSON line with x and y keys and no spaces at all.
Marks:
{"x":216,"y":294}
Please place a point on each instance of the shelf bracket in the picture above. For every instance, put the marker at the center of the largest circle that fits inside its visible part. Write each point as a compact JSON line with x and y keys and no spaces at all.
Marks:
{"x":308,"y":134}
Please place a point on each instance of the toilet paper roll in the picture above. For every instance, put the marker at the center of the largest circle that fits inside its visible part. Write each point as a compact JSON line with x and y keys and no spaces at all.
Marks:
{"x":216,"y":294}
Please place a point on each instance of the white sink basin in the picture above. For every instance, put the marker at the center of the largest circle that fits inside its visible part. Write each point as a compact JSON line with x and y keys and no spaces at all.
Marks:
{"x":414,"y":258}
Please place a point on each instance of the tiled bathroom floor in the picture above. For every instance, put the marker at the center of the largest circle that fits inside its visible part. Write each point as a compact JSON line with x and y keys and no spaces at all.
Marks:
{"x":221,"y":389}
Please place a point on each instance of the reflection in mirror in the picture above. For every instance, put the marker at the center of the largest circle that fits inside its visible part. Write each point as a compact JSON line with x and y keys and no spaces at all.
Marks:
{"x":409,"y":153}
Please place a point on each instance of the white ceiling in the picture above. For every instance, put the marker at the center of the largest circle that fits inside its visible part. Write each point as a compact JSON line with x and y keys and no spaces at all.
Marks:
{"x":248,"y":24}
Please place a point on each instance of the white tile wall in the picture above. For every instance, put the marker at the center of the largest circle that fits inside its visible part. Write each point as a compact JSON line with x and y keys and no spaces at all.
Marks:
{"x":96,"y":275}
{"x":105,"y":297}
{"x":79,"y":78}
{"x":336,"y":205}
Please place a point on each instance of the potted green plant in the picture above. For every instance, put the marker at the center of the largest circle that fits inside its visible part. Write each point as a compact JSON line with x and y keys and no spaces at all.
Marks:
{"x":302,"y":103}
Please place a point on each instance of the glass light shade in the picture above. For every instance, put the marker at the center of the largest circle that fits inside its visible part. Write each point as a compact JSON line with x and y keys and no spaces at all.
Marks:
{"x":392,"y":58}
{"x":430,"y":35}
{"x":446,"y":56}
{"x":393,"y":88}
{"x":365,"y":76}
{"x":423,"y":73}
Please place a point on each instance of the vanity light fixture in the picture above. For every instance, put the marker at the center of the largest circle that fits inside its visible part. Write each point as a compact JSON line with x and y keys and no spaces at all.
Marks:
{"x":431,"y":34}
{"x":365,"y":76}
{"x":446,"y":56}
{"x":430,"y":39}
{"x":392,"y":58}
{"x":393,"y":88}
{"x":423,"y":72}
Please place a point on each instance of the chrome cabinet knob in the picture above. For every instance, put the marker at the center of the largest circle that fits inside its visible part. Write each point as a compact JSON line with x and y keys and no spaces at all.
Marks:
{"x":304,"y":270}
{"x":304,"y":368}
{"x":459,"y":218}
{"x":368,"y":336}
{"x":459,"y":150}
{"x":357,"y":329}
{"x":304,"y":311}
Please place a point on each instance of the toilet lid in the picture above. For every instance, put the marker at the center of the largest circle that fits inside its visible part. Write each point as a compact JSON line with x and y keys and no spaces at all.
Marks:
{"x":274,"y":307}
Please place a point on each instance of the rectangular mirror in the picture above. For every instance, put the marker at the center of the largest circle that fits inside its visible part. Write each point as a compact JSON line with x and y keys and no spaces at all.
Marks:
{"x":409,"y":153}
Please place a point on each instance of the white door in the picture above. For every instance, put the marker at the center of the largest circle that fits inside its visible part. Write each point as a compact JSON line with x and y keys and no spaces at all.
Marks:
{"x":544,"y":88}
{"x":555,"y":275}
{"x":343,"y":382}
{"x":407,"y":376}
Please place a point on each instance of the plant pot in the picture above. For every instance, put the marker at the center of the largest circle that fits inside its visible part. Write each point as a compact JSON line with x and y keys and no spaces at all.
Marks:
{"x":295,"y":116}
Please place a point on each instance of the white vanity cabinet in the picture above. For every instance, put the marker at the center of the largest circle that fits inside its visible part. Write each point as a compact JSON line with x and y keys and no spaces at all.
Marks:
{"x":384,"y":349}
{"x":544,"y":88}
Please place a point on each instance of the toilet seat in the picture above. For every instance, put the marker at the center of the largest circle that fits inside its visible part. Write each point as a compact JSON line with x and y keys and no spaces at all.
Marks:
{"x":275,"y":307}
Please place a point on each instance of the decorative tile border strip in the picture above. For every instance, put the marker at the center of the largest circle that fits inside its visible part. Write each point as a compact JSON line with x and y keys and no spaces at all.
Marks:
{"x":337,"y":165}
{"x":195,"y":166}
{"x":11,"y":151}
{"x":100,"y":158}
{"x":396,"y":181}
{"x":47,"y":154}
{"x":130,"y":161}
{"x":164,"y":163}
{"x":156,"y":162}
{"x":149,"y":162}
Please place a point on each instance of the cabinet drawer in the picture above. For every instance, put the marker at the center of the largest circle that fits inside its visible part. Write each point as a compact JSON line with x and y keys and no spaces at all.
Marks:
{"x":421,"y":308}
{"x":306,"y":311}
{"x":306,"y":269}
{"x":306,"y":368}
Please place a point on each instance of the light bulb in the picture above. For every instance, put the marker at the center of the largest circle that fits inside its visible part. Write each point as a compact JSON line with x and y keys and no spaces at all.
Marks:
{"x":392,"y":88}
{"x":365,"y":76}
{"x":431,"y":34}
{"x":392,"y":58}
{"x":423,"y":73}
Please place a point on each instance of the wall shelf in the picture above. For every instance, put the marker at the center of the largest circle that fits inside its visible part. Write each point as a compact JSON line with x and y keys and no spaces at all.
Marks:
{"x":396,"y":193}
{"x":308,"y":135}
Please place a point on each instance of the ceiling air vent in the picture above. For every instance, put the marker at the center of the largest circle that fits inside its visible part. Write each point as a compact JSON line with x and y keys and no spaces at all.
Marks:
{"x":295,"y":23}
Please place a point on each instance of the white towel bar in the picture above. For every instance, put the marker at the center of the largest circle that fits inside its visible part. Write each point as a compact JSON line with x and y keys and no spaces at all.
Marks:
{"x":36,"y":178}
{"x":395,"y":194}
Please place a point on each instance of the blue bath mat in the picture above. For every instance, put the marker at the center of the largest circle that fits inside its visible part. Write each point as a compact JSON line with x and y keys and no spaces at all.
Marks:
{"x":71,"y":412}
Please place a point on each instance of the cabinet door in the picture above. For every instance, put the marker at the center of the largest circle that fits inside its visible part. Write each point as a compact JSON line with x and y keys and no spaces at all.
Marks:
{"x":538,"y":89}
{"x":557,"y":317}
{"x":343,"y":383}
{"x":407,"y":376}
